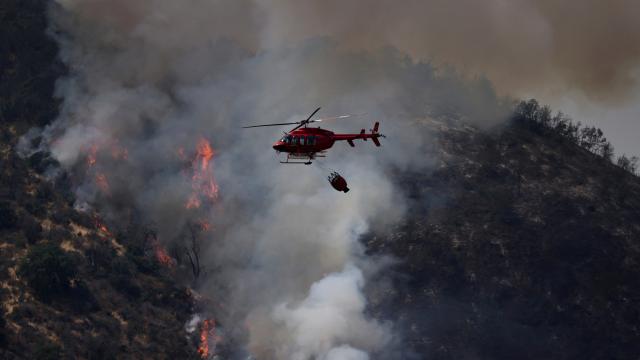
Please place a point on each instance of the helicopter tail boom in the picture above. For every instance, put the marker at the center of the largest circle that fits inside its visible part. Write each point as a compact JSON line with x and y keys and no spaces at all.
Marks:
{"x":373,"y":135}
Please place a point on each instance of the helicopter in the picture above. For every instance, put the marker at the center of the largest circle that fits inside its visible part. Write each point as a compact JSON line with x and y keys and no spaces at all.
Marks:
{"x":303,"y":144}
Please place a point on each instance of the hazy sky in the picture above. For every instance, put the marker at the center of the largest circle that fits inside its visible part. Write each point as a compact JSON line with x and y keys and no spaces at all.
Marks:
{"x":620,"y":122}
{"x":580,"y":56}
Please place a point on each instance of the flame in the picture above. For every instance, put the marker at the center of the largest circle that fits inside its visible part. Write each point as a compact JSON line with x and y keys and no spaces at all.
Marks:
{"x":92,"y":155}
{"x":102,"y":228}
{"x":204,"y":224}
{"x":163,"y":257}
{"x":161,"y":254}
{"x":193,"y":202}
{"x":94,"y":150}
{"x":205,"y":152}
{"x":207,"y":334}
{"x":203,"y":184}
{"x":102,"y":182}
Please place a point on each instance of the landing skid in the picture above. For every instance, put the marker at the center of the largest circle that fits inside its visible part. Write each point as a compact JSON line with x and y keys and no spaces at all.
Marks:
{"x":296,"y":162}
{"x":304,"y":159}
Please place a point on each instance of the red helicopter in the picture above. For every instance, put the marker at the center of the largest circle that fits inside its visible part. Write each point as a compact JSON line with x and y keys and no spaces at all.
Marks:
{"x":305,"y":143}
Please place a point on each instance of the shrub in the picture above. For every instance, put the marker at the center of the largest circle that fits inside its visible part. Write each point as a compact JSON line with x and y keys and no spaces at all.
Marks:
{"x":47,"y":351}
{"x":48,"y":270}
{"x":44,"y":193}
{"x":8,"y":218}
{"x":3,"y":330}
{"x":58,"y":234}
{"x":538,"y":118}
{"x":35,"y":207}
{"x":31,"y":228}
{"x":628,"y":164}
{"x":121,"y":278}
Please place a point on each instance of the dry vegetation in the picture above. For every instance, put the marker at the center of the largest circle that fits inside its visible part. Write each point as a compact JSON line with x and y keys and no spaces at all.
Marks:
{"x":521,"y":244}
{"x":68,"y":289}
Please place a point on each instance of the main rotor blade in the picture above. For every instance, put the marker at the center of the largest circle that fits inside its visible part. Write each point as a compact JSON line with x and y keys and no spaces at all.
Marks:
{"x":310,"y":116}
{"x":277,"y":124}
{"x":336,"y":117}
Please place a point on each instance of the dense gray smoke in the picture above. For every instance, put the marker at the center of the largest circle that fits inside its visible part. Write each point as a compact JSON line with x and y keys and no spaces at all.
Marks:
{"x":531,"y":46}
{"x":151,"y":81}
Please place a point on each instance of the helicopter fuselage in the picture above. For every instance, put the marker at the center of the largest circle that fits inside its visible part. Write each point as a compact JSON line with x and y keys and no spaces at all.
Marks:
{"x":308,"y":142}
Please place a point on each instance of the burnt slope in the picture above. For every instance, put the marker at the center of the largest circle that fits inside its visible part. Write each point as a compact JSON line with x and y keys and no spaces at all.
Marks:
{"x":519,"y":245}
{"x":68,"y":288}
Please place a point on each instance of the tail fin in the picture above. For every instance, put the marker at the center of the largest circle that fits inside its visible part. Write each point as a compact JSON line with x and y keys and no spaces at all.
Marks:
{"x":362,"y":135}
{"x":374,"y":134}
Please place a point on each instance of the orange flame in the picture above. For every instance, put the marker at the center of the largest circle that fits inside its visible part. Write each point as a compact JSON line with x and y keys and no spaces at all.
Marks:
{"x":203,"y":184}
{"x":193,"y":202}
{"x":205,"y":152}
{"x":102,"y":182}
{"x":161,"y":254}
{"x":92,"y":156}
{"x":102,"y":228}
{"x":163,"y":257}
{"x":207,"y":334}
{"x":204,"y":224}
{"x":117,"y":153}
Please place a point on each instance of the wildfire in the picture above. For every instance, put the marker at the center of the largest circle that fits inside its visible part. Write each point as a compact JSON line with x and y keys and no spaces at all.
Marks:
{"x":205,"y":152}
{"x":203,"y":184}
{"x":102,"y":228}
{"x":161,"y":254}
{"x":193,"y":202}
{"x":207,"y":334}
{"x":92,"y":155}
{"x":102,"y":182}
{"x":204,"y":224}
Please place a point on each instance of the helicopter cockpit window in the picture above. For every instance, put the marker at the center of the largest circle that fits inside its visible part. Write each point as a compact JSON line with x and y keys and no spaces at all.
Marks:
{"x":295,"y":140}
{"x":301,"y":140}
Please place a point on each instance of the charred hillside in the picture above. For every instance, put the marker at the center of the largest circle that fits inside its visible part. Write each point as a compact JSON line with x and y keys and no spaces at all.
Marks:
{"x":70,"y":286}
{"x":521,"y":244}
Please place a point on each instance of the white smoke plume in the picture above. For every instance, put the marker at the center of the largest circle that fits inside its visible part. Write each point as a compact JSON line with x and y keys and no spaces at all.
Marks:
{"x":149,"y":78}
{"x":332,"y":314}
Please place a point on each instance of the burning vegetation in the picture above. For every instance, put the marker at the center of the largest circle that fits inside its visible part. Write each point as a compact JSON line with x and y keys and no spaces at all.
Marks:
{"x":203,"y":184}
{"x":105,"y":150}
{"x":208,"y":339}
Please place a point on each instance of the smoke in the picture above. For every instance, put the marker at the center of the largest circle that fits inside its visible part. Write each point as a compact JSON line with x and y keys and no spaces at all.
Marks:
{"x":149,"y":79}
{"x":331,"y":314}
{"x":522,"y":46}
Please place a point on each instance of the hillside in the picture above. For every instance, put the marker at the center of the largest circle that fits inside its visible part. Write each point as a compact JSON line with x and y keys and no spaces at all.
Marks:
{"x":70,"y":286}
{"x":519,"y":245}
